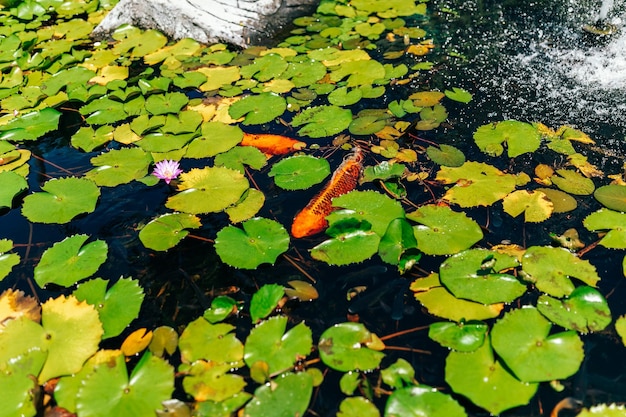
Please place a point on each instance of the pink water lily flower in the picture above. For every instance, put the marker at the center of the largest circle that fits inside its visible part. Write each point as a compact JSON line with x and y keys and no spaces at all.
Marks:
{"x":167,"y":170}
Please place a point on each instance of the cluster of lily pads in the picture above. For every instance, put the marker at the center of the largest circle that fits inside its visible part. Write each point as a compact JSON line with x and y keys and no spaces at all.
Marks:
{"x":143,"y":102}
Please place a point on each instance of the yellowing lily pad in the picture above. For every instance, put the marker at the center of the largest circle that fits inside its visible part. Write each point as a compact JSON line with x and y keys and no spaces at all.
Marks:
{"x":476,"y":184}
{"x":572,"y":182}
{"x":561,"y":202}
{"x":534,"y":204}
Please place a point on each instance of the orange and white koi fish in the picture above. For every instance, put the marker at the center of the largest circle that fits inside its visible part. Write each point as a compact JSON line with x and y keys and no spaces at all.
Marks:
{"x":272,"y":144}
{"x":312,"y":219}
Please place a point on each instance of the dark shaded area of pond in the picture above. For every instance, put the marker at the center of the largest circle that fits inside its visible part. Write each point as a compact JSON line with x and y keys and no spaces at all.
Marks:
{"x":519,"y":61}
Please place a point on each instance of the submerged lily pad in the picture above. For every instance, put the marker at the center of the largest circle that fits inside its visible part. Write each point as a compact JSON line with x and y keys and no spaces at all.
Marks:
{"x":61,"y":200}
{"x":260,"y":241}
{"x":443,"y":231}
{"x":299,"y":172}
{"x":523,"y":340}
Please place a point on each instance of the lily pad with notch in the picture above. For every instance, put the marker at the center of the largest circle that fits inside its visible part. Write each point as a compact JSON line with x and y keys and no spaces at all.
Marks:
{"x":11,"y":185}
{"x":462,"y":337}
{"x":322,"y":121}
{"x":611,"y":222}
{"x":167,"y":230}
{"x":350,"y":346}
{"x":299,"y":172}
{"x":520,"y":138}
{"x":584,"y":310}
{"x":31,"y":126}
{"x":258,"y":109}
{"x":119,"y":166}
{"x":612,"y":196}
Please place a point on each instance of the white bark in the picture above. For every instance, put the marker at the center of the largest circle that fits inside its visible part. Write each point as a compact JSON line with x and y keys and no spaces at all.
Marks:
{"x":239,"y":22}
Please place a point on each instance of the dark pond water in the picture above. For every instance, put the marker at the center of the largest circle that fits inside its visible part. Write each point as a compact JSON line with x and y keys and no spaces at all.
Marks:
{"x":522,"y":60}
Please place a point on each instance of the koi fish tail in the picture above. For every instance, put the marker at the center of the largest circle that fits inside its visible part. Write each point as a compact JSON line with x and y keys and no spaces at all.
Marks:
{"x":312,"y":219}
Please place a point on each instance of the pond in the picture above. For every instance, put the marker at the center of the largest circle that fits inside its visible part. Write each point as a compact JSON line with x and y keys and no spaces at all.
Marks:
{"x":374,"y":270}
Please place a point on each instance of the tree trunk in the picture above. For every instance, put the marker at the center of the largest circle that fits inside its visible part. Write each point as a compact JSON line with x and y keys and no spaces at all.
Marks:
{"x":238,"y":22}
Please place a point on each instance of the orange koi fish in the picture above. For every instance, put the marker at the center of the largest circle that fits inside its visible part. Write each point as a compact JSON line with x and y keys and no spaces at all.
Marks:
{"x":272,"y":144}
{"x":312,"y":219}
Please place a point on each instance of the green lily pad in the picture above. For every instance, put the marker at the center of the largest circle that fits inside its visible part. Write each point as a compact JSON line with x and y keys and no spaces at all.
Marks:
{"x":158,"y":104}
{"x":164,"y":232}
{"x":208,"y":190}
{"x":346,"y":248}
{"x":474,"y":275}
{"x":522,"y":339}
{"x":258,"y":109}
{"x":87,"y":139}
{"x":368,"y":122}
{"x":288,"y":395}
{"x":358,"y":73}
{"x":109,"y":389}
{"x":441,"y":303}
{"x":137,"y":43}
{"x":279,"y":349}
{"x":357,"y":407}
{"x":117,"y":306}
{"x":260,"y":241}
{"x":119,"y":166}
{"x":573,"y":182}
{"x":549,"y":270}
{"x":585,"y":310}
{"x":217,"y":137}
{"x":343,"y":96}
{"x":7,"y":260}
{"x":348,"y":347}
{"x":70,"y":260}
{"x":219,"y":77}
{"x":446,"y":155}
{"x":620,"y":327}
{"x":399,"y":374}
{"x":459,"y":94}
{"x":482,"y":378}
{"x":171,"y":53}
{"x":207,"y":381}
{"x":17,"y":387}
{"x":185,"y":121}
{"x":443,"y":231}
{"x":397,"y":239}
{"x":239,"y":156}
{"x":422,"y":400}
{"x":611,"y":221}
{"x":31,"y":126}
{"x":383,"y":171}
{"x":603,"y":410}
{"x":476,"y":184}
{"x":612,"y":196}
{"x":462,"y":337}
{"x":215,"y":342}
{"x":104,"y":111}
{"x":11,"y":184}
{"x":265,"y":300}
{"x":534,"y":204}
{"x":305,"y":73}
{"x":265,"y":68}
{"x":375,"y":208}
{"x":251,"y":202}
{"x":520,"y":138}
{"x":159,"y":142}
{"x":299,"y":172}
{"x":322,"y":121}
{"x":221,"y":307}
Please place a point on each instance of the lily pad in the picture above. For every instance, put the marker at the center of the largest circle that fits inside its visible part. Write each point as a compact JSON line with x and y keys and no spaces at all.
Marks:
{"x":476,"y":184}
{"x":462,"y":337}
{"x":585,"y":310}
{"x":523,"y":340}
{"x":443,"y":231}
{"x":520,"y":138}
{"x":246,"y":208}
{"x":70,"y":260}
{"x":345,"y":248}
{"x":549,"y":270}
{"x":158,"y":104}
{"x":350,"y":346}
{"x":612,"y":196}
{"x":446,"y":155}
{"x":206,"y":381}
{"x":322,"y":121}
{"x":11,"y":184}
{"x":31,"y":126}
{"x":117,"y":306}
{"x":119,"y":166}
{"x":573,"y":182}
{"x":217,"y":137}
{"x":441,"y":303}
{"x":208,"y":190}
{"x":286,"y":396}
{"x":482,"y":378}
{"x":215,"y":342}
{"x":87,"y":139}
{"x":375,"y":208}
{"x":534,"y":204}
{"x":7,"y":260}
{"x":260,"y":241}
{"x":475,"y":275}
{"x":265,"y":300}
{"x":357,"y":407}
{"x":397,"y":239}
{"x":612,"y":222}
{"x":61,"y":200}
{"x":221,"y":307}
{"x":164,"y":232}
{"x":561,"y":202}
{"x":239,"y":156}
{"x":258,"y":109}
{"x":422,"y":400}
{"x":459,"y":94}
{"x":269,"y":342}
{"x":299,"y":172}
